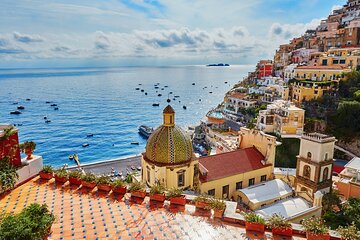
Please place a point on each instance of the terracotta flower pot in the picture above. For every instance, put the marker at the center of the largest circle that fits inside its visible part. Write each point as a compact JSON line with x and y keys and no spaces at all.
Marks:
{"x":218,"y":213}
{"x":46,"y":176}
{"x":60,"y":179}
{"x":282,"y":231}
{"x":75,"y":181}
{"x":158,"y":197}
{"x":88,"y":184}
{"x":202,"y":205}
{"x":258,"y":227}
{"x":138,"y":194}
{"x":312,"y":236}
{"x":104,"y":187}
{"x":178,"y":200}
{"x":28,"y":152}
{"x":119,"y":190}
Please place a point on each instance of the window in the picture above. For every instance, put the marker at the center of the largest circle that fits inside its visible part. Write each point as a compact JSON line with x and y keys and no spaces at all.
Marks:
{"x":251,"y":181}
{"x":324,"y":62}
{"x":211,"y":192}
{"x":263,"y":178}
{"x":307,"y":171}
{"x":148,"y":174}
{"x":309,"y":155}
{"x":335,"y":61}
{"x":326,"y":156}
{"x":225,"y":191}
{"x":171,"y":119}
{"x":342,"y":61}
{"x":325,"y":174}
{"x":239,"y":185}
{"x":181,"y":178}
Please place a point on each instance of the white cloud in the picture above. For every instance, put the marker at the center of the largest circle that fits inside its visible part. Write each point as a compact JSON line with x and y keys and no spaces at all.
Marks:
{"x":24,"y":38}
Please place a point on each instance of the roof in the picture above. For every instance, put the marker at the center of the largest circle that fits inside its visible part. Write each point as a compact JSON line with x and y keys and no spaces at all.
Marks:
{"x":114,"y":216}
{"x":238,"y":95}
{"x":266,"y":191}
{"x":354,"y":164}
{"x":287,"y":208}
{"x":335,"y":67}
{"x":168,"y":109}
{"x":231,"y":163}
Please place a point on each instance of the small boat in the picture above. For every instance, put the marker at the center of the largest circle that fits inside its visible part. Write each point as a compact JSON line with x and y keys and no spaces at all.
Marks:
{"x":146,"y":93}
{"x":137,"y":88}
{"x":184,"y":107}
{"x":176,"y":96}
{"x":166,"y":86}
{"x":139,"y":168}
{"x":56,"y":108}
{"x":226,"y":82}
{"x":15,"y":103}
{"x":210,"y":92}
{"x":71,"y":157}
{"x":139,"y":84}
{"x":159,"y":95}
{"x":134,"y":143}
{"x":193,"y":84}
{"x":28,"y":99}
{"x":200,"y":100}
{"x":21,"y":107}
{"x":156,"y":104}
{"x":85,"y":145}
{"x":156,"y":87}
{"x":15,"y":112}
{"x":90,"y":135}
{"x":45,"y":117}
{"x":142,"y":90}
{"x":145,"y":131}
{"x":47,"y":121}
{"x":133,"y":168}
{"x":47,"y":102}
{"x":174,"y":99}
{"x":162,"y":88}
{"x":170,"y":92}
{"x":53,"y":105}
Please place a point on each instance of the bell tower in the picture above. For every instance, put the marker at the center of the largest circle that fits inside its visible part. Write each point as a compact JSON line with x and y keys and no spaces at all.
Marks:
{"x":314,"y":164}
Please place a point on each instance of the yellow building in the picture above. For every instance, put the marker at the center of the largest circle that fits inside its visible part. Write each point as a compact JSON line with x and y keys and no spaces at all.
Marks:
{"x":344,"y":57}
{"x":319,"y":73}
{"x":222,"y":174}
{"x":169,"y":158}
{"x":281,"y":117}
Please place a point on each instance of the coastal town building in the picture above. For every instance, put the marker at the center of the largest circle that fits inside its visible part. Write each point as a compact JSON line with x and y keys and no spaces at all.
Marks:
{"x":348,"y":183}
{"x":343,"y":57}
{"x":169,"y":158}
{"x":264,"y":68}
{"x":282,"y":118}
{"x":235,"y":101}
{"x":314,"y":165}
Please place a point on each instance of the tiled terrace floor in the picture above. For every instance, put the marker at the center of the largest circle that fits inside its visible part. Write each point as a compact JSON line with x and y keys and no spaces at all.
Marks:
{"x":84,"y":214}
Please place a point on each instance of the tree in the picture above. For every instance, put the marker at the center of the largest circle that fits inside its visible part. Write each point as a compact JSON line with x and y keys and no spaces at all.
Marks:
{"x":352,"y":211}
{"x":331,"y":200}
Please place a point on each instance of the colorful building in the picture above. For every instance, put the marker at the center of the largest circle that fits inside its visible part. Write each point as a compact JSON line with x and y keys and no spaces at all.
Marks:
{"x":281,"y":117}
{"x":264,"y":68}
{"x":234,"y":101}
{"x":343,"y":57}
{"x":349,"y":181}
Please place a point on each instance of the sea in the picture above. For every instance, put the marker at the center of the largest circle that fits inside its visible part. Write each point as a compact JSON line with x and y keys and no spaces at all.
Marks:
{"x":104,"y":103}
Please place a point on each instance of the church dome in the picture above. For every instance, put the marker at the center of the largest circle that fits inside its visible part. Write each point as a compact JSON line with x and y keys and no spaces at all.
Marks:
{"x":169,"y":144}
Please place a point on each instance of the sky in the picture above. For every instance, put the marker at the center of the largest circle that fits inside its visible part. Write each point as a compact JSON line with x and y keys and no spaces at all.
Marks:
{"x":80,"y":33}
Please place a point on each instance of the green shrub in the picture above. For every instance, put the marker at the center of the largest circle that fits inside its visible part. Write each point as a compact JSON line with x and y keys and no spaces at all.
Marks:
{"x":8,"y":175}
{"x":47,"y":169}
{"x":28,"y":144}
{"x":88,"y":177}
{"x":315,"y":226}
{"x":217,"y":204}
{"x":136,"y":186}
{"x":157,"y":189}
{"x":61,"y":172}
{"x":118,"y":183}
{"x":32,"y":223}
{"x":174,"y":192}
{"x":252,"y":217}
{"x":278,"y":221}
{"x":75,"y":174}
{"x":103,"y":180}
{"x":349,"y":232}
{"x":203,"y":198}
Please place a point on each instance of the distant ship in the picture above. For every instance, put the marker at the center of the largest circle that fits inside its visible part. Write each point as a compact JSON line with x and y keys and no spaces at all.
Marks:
{"x":218,"y":65}
{"x":145,"y":131}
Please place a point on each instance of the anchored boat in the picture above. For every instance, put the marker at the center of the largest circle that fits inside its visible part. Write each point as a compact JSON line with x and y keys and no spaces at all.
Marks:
{"x":145,"y":131}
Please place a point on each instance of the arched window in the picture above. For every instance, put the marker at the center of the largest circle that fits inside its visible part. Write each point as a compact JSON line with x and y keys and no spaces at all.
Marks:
{"x":309,"y":155}
{"x":307,"y":171}
{"x":325,"y":174}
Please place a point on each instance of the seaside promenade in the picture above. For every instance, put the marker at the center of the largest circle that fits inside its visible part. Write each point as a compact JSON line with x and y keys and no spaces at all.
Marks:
{"x":105,"y":167}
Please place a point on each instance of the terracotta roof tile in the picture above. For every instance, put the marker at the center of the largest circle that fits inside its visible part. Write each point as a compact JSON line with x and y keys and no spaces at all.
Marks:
{"x":231,"y":163}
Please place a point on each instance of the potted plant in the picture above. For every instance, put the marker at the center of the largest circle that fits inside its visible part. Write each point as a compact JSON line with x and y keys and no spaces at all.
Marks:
{"x":75,"y":177}
{"x":176,"y":196}
{"x":28,"y":148}
{"x":33,"y":222}
{"x":137,"y":189}
{"x":157,"y":193}
{"x":202,"y":201}
{"x":118,"y":186}
{"x":88,"y":180}
{"x":279,"y":225}
{"x":103,"y":183}
{"x":46,"y":172}
{"x":218,"y":206}
{"x":349,"y":232}
{"x":254,"y":222}
{"x":61,"y":175}
{"x":315,"y":229}
{"x":8,"y":175}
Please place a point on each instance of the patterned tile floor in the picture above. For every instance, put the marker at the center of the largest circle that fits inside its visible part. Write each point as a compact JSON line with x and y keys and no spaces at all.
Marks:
{"x":85,"y":214}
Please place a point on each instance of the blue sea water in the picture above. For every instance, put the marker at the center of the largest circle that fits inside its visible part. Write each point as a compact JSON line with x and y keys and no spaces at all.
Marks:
{"x":104,"y":102}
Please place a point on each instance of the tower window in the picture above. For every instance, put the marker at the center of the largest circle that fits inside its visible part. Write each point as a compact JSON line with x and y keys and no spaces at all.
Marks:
{"x":326,"y":156}
{"x":309,"y":155}
{"x":325,"y":174}
{"x":181,"y":178}
{"x":171,"y":119}
{"x":307,"y":171}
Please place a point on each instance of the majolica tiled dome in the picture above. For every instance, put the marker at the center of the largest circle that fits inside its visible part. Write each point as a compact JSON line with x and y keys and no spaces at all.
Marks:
{"x":169,"y":144}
